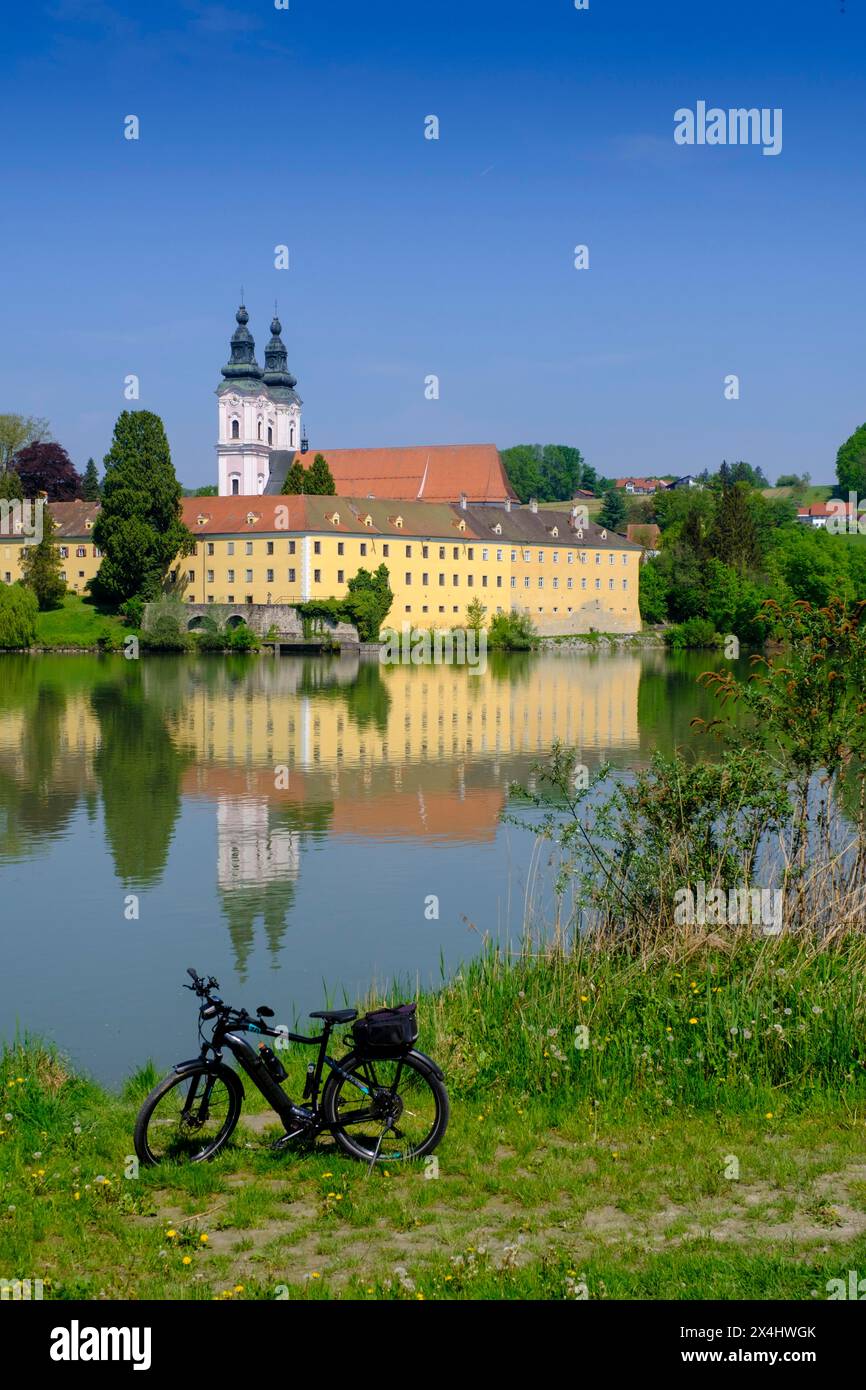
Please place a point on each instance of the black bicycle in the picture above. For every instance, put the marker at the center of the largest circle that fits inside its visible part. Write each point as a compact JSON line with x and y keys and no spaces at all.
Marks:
{"x":383,"y":1101}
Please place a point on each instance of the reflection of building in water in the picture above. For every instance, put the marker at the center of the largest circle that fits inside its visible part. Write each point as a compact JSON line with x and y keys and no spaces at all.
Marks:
{"x":292,"y":713}
{"x":250,"y":850}
{"x":258,"y":860}
{"x":385,"y":754}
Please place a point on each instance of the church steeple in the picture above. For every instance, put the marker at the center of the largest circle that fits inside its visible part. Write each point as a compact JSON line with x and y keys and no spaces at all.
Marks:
{"x":276,"y":371}
{"x":242,"y":364}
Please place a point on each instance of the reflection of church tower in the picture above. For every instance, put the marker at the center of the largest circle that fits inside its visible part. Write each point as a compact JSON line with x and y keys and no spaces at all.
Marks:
{"x":258,"y":411}
{"x":257,"y":868}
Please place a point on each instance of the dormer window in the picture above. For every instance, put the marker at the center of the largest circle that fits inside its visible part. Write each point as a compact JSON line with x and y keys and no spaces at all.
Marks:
{"x":252,"y":518}
{"x":398,"y":522}
{"x":498,"y":529}
{"x":461,"y":525}
{"x":604,"y":535}
{"x":554,"y":530}
{"x":334,"y":518}
{"x":368,"y":520}
{"x":88,"y":525}
{"x":580,"y":533}
{"x":202,"y":520}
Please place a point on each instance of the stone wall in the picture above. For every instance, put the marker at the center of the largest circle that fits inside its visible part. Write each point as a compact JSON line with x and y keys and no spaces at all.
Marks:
{"x":261,"y":618}
{"x":590,"y":616}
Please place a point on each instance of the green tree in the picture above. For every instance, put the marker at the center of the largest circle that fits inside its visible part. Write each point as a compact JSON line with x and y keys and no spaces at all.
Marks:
{"x":475,"y":614}
{"x":296,"y":480}
{"x":18,"y":611}
{"x":40,"y":567}
{"x":10,"y":485}
{"x":653,"y":593}
{"x":16,"y":432}
{"x":612,"y":514}
{"x":368,"y":601}
{"x":851,"y":463}
{"x":522,"y":469}
{"x":139,"y":528}
{"x":209,"y":490}
{"x":319,"y":481}
{"x":733,"y":537}
{"x":90,"y":488}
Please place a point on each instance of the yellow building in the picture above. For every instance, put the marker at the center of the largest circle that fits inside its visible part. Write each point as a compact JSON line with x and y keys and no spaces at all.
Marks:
{"x":286,"y":550}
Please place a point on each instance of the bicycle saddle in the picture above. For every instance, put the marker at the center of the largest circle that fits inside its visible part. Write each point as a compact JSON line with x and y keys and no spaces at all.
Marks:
{"x":336,"y":1015}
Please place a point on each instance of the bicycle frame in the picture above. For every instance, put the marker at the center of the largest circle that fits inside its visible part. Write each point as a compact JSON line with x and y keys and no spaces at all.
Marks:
{"x":228,"y":1033}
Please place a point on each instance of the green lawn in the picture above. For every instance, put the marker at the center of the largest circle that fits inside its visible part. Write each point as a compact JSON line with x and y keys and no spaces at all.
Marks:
{"x":79,"y":623}
{"x":709,"y":1141}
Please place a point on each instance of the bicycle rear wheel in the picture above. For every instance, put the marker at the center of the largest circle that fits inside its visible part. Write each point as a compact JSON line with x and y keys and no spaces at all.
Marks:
{"x":189,"y":1116}
{"x":404,"y":1114}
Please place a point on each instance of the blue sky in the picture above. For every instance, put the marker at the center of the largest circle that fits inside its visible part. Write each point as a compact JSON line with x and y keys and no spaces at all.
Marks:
{"x":411,"y":257}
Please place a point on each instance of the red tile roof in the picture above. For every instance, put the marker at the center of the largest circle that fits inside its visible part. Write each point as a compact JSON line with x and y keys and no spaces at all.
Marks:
{"x":429,"y":473}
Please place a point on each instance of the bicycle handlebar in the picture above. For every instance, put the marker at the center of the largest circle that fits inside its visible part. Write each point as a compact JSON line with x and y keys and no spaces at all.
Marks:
{"x":235,"y":1018}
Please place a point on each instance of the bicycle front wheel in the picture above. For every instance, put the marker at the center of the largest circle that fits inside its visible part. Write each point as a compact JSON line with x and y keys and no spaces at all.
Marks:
{"x":386,"y":1111}
{"x":189,"y":1116}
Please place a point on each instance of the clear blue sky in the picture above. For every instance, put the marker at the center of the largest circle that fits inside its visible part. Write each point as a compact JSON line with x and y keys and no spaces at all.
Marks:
{"x":411,"y":257}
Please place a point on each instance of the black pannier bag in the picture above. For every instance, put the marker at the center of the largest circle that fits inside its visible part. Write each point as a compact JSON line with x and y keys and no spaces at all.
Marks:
{"x":386,"y":1032}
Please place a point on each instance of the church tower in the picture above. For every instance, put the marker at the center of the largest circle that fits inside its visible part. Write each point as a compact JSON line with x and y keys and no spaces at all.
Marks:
{"x":258,"y":411}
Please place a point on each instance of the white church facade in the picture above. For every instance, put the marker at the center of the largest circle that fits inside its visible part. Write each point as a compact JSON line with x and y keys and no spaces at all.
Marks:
{"x":259,"y":412}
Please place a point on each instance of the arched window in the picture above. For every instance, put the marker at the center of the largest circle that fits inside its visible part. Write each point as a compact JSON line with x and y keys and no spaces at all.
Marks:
{"x":236,"y":486}
{"x":291,"y":436}
{"x":236,"y":429}
{"x":261,"y":483}
{"x":260,"y":429}
{"x":270,"y":435}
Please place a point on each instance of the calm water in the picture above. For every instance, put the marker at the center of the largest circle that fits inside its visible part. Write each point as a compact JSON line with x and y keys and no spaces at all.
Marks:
{"x":281,"y":824}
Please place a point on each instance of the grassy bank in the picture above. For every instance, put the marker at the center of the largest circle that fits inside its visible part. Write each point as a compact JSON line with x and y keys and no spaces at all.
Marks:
{"x":79,"y":625}
{"x":704,"y":1137}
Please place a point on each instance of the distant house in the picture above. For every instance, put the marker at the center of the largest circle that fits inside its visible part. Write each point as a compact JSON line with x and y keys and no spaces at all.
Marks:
{"x":645,"y":534}
{"x":641,"y":486}
{"x":581,"y":493}
{"x":687,"y":480}
{"x":819,"y":513}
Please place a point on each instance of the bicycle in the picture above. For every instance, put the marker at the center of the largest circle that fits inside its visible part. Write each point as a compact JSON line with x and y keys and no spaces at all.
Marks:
{"x":191,"y":1114}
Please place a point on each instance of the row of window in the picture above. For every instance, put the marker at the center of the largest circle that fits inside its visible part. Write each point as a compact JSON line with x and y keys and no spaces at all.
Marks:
{"x":80,"y":552}
{"x":425,"y":579}
{"x":425,"y":552}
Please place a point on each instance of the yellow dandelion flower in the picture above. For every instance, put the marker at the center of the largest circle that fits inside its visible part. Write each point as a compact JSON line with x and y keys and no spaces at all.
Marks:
{"x":314,"y":1274}
{"x":693,"y":1020}
{"x":769,"y":1115}
{"x":204,"y":1239}
{"x":239,"y":1288}
{"x":187,"y":1260}
{"x":171,"y":1234}
{"x":76,"y":1196}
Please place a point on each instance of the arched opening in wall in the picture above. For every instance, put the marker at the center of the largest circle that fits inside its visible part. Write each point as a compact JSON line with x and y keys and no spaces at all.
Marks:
{"x":236,"y":429}
{"x":260,"y":429}
{"x":236,"y":485}
{"x":270,"y":435}
{"x":195,"y":623}
{"x":235,"y":620}
{"x":291,"y":436}
{"x":261,"y":483}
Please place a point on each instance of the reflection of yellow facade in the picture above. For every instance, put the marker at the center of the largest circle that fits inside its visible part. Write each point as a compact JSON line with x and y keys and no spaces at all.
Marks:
{"x":430,"y":713}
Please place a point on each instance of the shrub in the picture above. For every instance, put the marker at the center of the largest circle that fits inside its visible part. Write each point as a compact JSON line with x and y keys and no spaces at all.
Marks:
{"x":133,"y":611}
{"x":694,"y":632}
{"x":18,"y":611}
{"x":243,"y":639}
{"x":165,"y":635}
{"x":512,"y":632}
